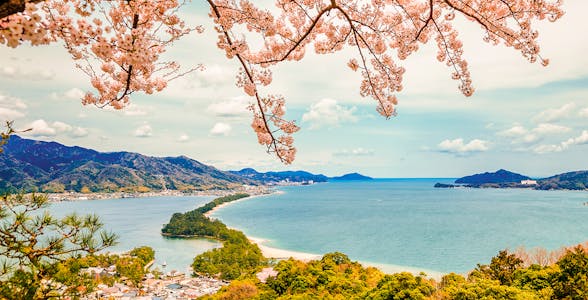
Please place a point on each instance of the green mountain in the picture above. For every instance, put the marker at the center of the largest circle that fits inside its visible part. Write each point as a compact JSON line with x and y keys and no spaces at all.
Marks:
{"x":52,"y":167}
{"x":500,"y":176}
{"x":577,"y":180}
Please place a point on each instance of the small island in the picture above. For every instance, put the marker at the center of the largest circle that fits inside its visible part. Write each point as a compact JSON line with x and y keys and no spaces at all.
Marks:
{"x":350,"y":177}
{"x":577,"y":180}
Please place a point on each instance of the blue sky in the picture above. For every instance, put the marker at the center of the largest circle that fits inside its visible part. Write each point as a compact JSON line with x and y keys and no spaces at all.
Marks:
{"x":523,"y":117}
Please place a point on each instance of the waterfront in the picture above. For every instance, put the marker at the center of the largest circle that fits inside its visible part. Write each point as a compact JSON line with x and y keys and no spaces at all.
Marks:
{"x":138,"y":222}
{"x":398,"y":223}
{"x":394,"y":224}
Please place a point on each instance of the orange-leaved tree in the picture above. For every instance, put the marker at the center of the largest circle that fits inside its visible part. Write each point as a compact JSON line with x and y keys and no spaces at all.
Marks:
{"x":118,"y":43}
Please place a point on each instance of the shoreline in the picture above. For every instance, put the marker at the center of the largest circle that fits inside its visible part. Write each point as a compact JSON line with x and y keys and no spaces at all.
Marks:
{"x":76,"y":196}
{"x":268,"y":192}
{"x":281,"y":254}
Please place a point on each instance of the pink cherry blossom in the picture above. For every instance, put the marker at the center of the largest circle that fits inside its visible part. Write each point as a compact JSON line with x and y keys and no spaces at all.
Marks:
{"x":119,"y":44}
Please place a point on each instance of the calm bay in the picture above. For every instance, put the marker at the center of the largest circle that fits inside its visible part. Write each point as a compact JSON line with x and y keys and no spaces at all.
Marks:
{"x":138,"y":222}
{"x":392,"y":223}
{"x":407,"y":222}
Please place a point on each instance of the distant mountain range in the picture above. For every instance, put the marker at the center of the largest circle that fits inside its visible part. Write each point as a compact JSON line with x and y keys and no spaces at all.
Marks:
{"x":577,"y":180}
{"x":295,"y":176}
{"x":52,"y":167}
{"x":351,"y":176}
{"x":276,"y":177}
{"x":32,"y":165}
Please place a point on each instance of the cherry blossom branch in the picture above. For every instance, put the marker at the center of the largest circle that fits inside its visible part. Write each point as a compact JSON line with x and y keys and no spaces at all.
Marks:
{"x":282,"y":146}
{"x":120,"y":51}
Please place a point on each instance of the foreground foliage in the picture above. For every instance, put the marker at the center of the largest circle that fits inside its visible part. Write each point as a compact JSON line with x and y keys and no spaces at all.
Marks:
{"x":131,"y":267}
{"x":538,"y":274}
{"x":237,"y":258}
{"x":32,"y":243}
{"x":335,"y":276}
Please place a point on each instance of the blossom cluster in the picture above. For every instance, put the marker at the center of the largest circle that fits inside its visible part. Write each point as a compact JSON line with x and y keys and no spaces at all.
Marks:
{"x":24,"y":26}
{"x":383,"y":32}
{"x":118,"y":43}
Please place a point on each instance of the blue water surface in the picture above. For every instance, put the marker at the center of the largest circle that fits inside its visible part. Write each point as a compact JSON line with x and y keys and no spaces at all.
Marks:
{"x":407,"y":222}
{"x":138,"y":222}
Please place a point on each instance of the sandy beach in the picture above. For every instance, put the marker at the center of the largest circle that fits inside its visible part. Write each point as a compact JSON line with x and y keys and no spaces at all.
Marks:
{"x":209,"y":213}
{"x":267,"y":251}
{"x":276,"y":253}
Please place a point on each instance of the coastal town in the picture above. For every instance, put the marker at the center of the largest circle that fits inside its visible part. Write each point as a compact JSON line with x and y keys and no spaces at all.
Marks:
{"x":77,"y":196}
{"x":172,"y":285}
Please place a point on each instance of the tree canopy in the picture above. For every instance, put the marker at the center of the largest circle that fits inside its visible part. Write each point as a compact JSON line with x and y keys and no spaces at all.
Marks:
{"x":32,"y":243}
{"x":119,"y":44}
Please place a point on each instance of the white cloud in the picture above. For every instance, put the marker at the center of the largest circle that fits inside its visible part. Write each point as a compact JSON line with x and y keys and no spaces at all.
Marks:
{"x":61,"y":127}
{"x":18,"y":73}
{"x":555,"y":114}
{"x":220,"y":129}
{"x":527,"y":139}
{"x":79,"y":132}
{"x":134,"y":110}
{"x":41,"y":128}
{"x":520,"y":135}
{"x":214,"y":75}
{"x":7,"y":114}
{"x":542,"y":149}
{"x":74,"y":93}
{"x":355,"y":152}
{"x":183,"y":138}
{"x":515,"y":131}
{"x":582,"y":139}
{"x":547,"y":128}
{"x":457,"y":146}
{"x":234,"y":107}
{"x":327,"y":112}
{"x":11,"y":108}
{"x":11,"y":102}
{"x":583,"y":112}
{"x":71,"y":94}
{"x":144,"y":130}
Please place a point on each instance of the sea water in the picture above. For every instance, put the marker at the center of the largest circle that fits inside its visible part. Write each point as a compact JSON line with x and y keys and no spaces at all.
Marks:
{"x":384,"y":222}
{"x":407,"y":222}
{"x":138,"y":222}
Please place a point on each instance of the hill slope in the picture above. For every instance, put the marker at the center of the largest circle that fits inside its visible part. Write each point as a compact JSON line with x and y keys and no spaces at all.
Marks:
{"x":577,"y":180}
{"x":52,"y":167}
{"x":500,"y":176}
